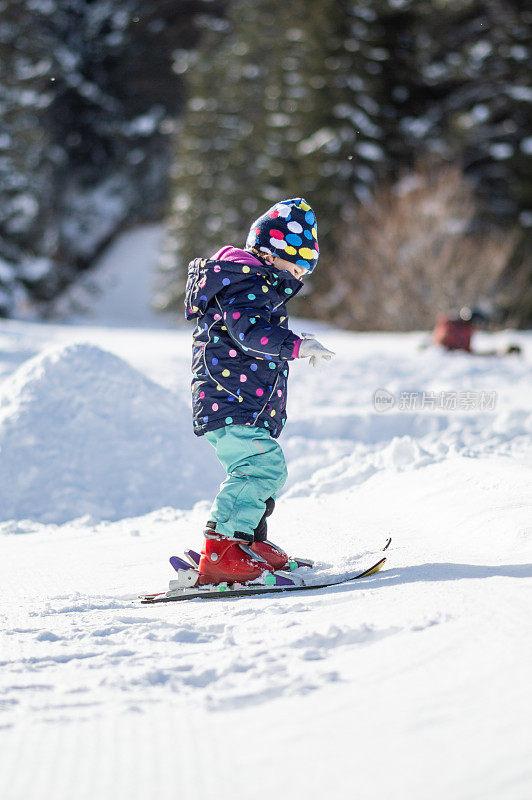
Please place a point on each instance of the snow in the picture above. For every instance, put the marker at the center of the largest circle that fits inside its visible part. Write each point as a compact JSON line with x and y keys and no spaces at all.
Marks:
{"x":83,"y":433}
{"x":501,"y":150}
{"x":526,"y":145}
{"x":118,"y":291}
{"x":412,"y":683}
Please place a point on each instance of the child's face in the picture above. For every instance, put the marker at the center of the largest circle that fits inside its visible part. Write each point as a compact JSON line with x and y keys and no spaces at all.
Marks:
{"x":279,"y":263}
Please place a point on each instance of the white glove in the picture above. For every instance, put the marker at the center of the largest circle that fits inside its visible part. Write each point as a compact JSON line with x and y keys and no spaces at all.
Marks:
{"x":311,"y":348}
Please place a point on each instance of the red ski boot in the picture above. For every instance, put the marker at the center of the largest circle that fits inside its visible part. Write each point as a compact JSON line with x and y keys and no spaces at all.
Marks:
{"x":224,"y":559}
{"x":275,"y":556}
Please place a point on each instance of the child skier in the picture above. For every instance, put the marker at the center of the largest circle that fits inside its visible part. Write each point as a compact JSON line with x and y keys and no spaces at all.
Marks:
{"x":241,"y":349}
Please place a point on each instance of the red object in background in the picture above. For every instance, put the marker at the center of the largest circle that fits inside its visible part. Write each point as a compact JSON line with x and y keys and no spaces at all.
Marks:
{"x":452,"y":333}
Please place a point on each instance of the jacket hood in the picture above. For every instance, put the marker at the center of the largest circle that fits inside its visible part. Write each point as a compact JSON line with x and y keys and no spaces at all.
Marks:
{"x":207,"y":277}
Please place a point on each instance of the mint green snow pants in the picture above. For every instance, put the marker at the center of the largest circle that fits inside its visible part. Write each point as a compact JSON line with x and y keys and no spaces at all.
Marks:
{"x":256,"y":470}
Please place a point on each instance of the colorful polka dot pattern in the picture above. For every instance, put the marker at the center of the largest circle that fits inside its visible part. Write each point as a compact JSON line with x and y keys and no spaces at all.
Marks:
{"x":288,"y":230}
{"x":242,"y":344}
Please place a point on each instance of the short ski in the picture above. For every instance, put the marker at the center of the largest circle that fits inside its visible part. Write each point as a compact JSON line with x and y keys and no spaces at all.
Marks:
{"x":215,"y":591}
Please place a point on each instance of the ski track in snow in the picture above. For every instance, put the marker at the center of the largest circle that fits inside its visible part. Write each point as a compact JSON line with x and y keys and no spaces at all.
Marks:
{"x":429,"y":657}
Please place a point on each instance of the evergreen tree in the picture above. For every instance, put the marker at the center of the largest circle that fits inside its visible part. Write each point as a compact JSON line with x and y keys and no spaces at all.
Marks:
{"x":461,"y":90}
{"x":88,"y":98}
{"x":26,"y":157}
{"x":280,"y":105}
{"x":321,"y":97}
{"x":309,"y":97}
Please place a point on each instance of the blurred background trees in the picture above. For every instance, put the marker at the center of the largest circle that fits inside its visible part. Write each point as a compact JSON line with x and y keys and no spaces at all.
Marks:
{"x":405,"y":123}
{"x":88,"y":103}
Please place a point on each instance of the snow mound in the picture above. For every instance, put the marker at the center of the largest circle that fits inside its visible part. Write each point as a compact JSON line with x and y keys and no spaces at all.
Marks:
{"x":84,"y":433}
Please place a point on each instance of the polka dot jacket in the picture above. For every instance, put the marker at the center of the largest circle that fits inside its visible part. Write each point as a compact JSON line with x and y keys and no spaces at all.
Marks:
{"x":242,"y":342}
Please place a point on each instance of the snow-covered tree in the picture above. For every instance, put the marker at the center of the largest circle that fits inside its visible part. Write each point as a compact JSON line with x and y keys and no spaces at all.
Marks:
{"x":88,"y":99}
{"x":322,"y":97}
{"x":281,"y":104}
{"x":461,"y":90}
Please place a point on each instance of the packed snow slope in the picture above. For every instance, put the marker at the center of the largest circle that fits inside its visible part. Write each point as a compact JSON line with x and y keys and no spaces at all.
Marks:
{"x":411,"y":684}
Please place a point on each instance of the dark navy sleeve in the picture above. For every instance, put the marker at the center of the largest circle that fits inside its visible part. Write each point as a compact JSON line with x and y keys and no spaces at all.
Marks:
{"x":247,"y":308}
